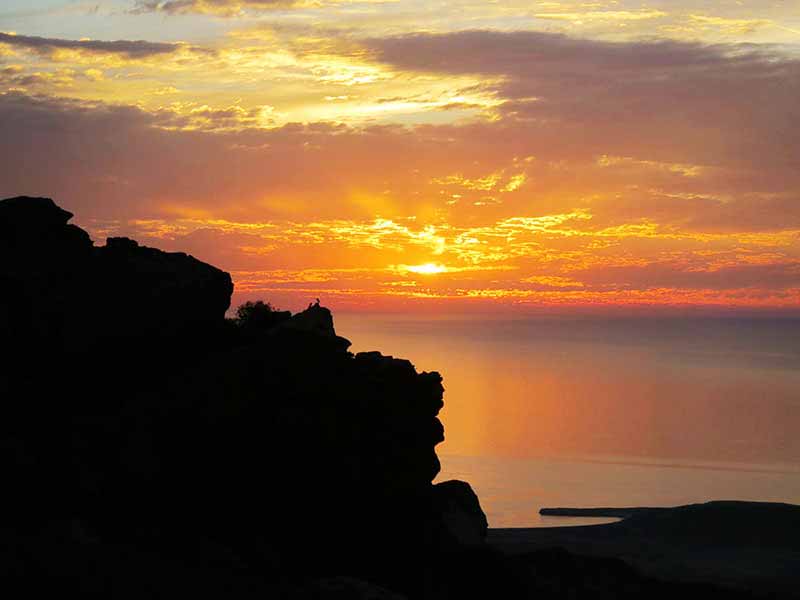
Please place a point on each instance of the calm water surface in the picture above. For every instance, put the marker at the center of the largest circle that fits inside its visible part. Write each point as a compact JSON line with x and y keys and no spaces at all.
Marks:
{"x":607,"y":412}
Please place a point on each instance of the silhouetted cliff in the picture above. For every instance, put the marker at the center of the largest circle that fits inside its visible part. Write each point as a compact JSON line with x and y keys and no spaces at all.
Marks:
{"x":150,"y":448}
{"x":145,"y":433}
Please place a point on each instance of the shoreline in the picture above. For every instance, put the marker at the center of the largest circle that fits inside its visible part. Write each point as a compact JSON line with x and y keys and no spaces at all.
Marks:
{"x":748,"y":546}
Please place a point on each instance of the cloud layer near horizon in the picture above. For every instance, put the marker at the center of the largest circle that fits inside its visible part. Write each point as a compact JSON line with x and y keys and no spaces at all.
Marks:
{"x":563,"y":171}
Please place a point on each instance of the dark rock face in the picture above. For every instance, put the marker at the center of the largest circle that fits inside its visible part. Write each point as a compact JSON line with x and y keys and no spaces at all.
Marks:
{"x":142,"y":432}
{"x":41,"y":259}
{"x":461,"y":513}
{"x":158,"y":293}
{"x":293,"y":438}
{"x":66,"y":295}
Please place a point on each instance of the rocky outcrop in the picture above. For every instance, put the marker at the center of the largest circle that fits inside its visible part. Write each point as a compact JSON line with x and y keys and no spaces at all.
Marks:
{"x":162,"y":428}
{"x":461,"y":513}
{"x":145,"y":292}
{"x":64,"y":295}
{"x":42,"y":264}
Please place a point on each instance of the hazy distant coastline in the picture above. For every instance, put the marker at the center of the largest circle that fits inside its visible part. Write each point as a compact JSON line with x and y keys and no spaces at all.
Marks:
{"x":750,"y":546}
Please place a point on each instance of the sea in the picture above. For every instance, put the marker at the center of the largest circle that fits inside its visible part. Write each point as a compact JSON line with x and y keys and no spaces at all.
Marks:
{"x":553,"y":411}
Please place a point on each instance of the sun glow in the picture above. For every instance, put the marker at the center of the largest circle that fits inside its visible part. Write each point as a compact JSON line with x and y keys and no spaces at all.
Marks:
{"x":426,"y":269}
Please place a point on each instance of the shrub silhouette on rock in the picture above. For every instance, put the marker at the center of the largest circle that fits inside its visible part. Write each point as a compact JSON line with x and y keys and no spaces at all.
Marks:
{"x":259,"y":316}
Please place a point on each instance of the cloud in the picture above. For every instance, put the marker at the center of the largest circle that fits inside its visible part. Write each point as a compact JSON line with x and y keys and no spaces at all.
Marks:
{"x":228,"y":8}
{"x":580,"y":18}
{"x":665,"y":101}
{"x":135,"y":49}
{"x":217,"y":7}
{"x":17,"y":77}
{"x":319,"y":207}
{"x":195,"y":116}
{"x":776,"y":275}
{"x":730,"y":26}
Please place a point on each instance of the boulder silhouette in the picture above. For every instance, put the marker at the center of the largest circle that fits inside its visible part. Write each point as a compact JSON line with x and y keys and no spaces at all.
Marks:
{"x":462,"y":516}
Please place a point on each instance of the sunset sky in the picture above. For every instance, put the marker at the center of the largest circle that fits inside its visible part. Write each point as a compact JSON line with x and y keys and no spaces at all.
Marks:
{"x":415,"y":155}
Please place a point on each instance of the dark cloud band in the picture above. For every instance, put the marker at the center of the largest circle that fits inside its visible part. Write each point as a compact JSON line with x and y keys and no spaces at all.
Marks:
{"x":715,"y":103}
{"x":128,"y":48}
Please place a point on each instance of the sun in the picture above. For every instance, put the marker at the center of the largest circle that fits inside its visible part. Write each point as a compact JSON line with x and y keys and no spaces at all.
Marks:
{"x":426,"y":269}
